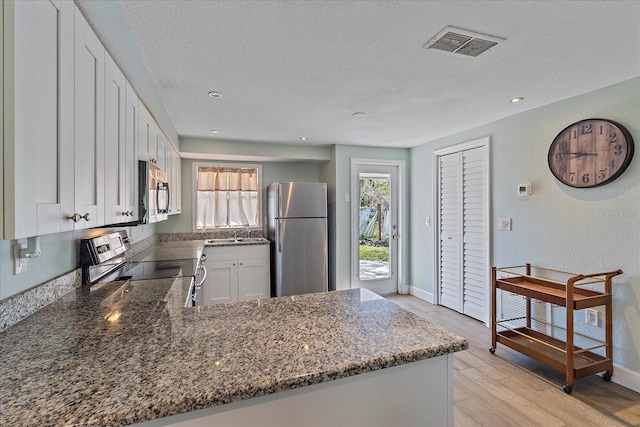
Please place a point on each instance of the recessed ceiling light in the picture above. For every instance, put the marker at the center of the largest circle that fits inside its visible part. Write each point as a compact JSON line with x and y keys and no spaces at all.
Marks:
{"x":303,"y":138}
{"x":514,"y":100}
{"x":213,"y":131}
{"x":215,"y":94}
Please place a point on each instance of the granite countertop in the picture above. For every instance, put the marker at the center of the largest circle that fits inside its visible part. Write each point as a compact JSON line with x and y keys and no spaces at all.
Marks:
{"x":189,"y":249}
{"x":129,"y":352}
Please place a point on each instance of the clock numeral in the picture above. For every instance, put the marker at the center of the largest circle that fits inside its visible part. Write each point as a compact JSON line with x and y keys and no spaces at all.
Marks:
{"x":617,"y":150}
{"x":602,"y":173}
{"x":559,"y":157}
{"x":572,"y":175}
{"x":575,"y":134}
{"x":601,"y":130}
{"x":613,"y":164}
{"x":585,"y":178}
{"x":587,"y":128}
{"x":613,"y":137}
{"x":564,"y":145}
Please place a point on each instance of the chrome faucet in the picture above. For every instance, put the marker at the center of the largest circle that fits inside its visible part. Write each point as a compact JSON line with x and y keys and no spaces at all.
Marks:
{"x":238,"y":231}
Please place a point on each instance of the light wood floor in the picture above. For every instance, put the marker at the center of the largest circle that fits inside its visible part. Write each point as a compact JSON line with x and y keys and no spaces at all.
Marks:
{"x":509,"y":389}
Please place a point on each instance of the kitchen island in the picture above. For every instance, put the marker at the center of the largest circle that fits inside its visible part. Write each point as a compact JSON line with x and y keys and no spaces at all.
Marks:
{"x":129,"y":352}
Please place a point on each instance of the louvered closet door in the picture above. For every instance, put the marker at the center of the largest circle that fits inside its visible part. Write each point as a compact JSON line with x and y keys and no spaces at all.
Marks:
{"x":474,"y":233}
{"x":450,"y":226}
{"x":462,"y":232}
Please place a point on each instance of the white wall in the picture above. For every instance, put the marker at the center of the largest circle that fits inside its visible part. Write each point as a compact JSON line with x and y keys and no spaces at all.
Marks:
{"x":580,"y":230}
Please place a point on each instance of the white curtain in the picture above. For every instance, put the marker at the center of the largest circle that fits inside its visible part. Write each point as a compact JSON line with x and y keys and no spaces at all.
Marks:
{"x":227,"y":197}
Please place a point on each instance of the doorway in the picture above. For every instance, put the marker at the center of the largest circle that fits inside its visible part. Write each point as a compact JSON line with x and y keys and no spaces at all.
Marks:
{"x":375,"y":224}
{"x":462,"y":233}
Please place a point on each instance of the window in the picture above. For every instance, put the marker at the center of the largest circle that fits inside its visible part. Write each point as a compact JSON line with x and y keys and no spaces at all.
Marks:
{"x":227,"y":196}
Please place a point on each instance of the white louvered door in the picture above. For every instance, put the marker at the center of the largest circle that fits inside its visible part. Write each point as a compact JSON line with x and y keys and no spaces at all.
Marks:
{"x":463,"y":232}
{"x":450,"y":231}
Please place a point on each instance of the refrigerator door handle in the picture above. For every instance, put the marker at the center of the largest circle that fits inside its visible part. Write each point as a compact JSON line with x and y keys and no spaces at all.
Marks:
{"x":279,"y":225}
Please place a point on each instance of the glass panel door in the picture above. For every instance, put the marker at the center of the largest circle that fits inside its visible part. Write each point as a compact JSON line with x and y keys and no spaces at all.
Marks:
{"x":375,"y":233}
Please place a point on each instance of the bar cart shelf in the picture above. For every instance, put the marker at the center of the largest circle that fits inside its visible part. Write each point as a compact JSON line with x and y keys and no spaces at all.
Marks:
{"x":521,"y":331}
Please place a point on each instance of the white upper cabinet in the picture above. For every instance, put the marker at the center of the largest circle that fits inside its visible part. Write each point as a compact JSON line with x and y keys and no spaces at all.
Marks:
{"x":175,"y":181}
{"x":72,"y":127}
{"x":148,"y":131}
{"x":161,"y":153}
{"x":38,"y":109}
{"x":131,"y":124}
{"x":89,"y":126}
{"x":115,"y":144}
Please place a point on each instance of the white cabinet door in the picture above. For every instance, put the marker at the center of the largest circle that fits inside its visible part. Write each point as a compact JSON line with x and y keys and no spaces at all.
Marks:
{"x":174,"y":172}
{"x":161,"y":147}
{"x":114,"y":143}
{"x":221,"y":284}
{"x":236,"y":273}
{"x":131,"y":153}
{"x":147,"y":143}
{"x":89,"y":125}
{"x":253,"y":279}
{"x":37,"y":116}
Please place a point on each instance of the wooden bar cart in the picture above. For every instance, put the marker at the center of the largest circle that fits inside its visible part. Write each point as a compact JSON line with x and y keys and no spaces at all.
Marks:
{"x":529,"y":330}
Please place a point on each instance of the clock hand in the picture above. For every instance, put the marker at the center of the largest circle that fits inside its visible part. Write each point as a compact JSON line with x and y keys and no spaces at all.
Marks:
{"x":580,"y":154}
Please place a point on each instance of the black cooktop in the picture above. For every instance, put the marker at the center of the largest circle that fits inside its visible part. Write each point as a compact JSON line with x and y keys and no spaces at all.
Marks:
{"x":152,"y":270}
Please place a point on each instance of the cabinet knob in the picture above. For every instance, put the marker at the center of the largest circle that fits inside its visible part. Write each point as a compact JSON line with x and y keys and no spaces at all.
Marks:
{"x":85,"y":217}
{"x":75,"y":217}
{"x":241,"y":264}
{"x":233,"y":264}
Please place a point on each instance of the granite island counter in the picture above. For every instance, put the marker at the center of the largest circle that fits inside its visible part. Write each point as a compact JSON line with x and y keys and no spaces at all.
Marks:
{"x":129,"y":352}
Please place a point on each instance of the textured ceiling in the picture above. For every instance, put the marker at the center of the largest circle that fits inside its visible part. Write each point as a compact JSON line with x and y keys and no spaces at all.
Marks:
{"x":290,"y":69}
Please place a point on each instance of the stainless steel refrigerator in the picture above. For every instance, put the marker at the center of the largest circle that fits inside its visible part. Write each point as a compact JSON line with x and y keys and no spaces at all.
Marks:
{"x":297,"y":226}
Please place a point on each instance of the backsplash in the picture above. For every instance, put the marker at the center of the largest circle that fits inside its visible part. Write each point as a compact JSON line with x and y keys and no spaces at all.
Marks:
{"x":17,"y":307}
{"x":223,"y":234}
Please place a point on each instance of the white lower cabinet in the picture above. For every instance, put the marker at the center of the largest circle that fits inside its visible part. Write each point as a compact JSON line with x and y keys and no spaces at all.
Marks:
{"x":236,"y":273}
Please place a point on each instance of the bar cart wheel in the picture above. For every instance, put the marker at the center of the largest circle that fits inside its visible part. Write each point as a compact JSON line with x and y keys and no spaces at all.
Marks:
{"x":606,"y":376}
{"x":492,"y":350}
{"x":567,"y":388}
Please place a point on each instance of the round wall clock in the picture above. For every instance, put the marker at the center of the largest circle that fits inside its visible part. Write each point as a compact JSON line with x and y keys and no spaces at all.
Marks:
{"x":590,"y":152}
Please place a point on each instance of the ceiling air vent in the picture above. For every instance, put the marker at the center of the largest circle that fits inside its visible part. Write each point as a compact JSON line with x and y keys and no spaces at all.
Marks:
{"x":464,"y":42}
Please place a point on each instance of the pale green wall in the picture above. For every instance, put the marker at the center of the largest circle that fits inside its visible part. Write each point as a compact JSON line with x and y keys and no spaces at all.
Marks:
{"x":59,"y":256}
{"x":271,"y":172}
{"x":343,"y":156}
{"x":580,"y":230}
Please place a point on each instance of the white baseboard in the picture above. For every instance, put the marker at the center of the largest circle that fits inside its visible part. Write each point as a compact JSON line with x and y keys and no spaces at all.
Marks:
{"x":626,"y":378}
{"x":422,"y":294}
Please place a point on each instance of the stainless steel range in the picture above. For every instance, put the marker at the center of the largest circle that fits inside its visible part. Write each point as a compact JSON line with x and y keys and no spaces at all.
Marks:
{"x":105,"y":259}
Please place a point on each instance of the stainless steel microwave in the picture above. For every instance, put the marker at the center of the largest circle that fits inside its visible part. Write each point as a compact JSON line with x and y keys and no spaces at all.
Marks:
{"x":153,"y":195}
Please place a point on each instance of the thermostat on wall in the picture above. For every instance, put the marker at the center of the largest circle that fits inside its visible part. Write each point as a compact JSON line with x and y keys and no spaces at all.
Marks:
{"x":524,"y":189}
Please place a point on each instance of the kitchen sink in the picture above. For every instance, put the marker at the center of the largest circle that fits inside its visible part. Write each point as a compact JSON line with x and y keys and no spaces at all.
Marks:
{"x":238,"y":241}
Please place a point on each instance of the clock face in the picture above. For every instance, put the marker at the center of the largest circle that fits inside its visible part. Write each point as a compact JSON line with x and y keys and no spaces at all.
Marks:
{"x":590,"y":152}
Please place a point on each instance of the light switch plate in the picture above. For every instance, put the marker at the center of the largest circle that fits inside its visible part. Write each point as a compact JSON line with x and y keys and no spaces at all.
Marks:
{"x":347,"y":197}
{"x":505,"y":224}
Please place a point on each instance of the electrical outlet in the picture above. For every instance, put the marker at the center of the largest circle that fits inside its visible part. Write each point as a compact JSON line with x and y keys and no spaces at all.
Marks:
{"x":19,"y":264}
{"x":591,"y":317}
